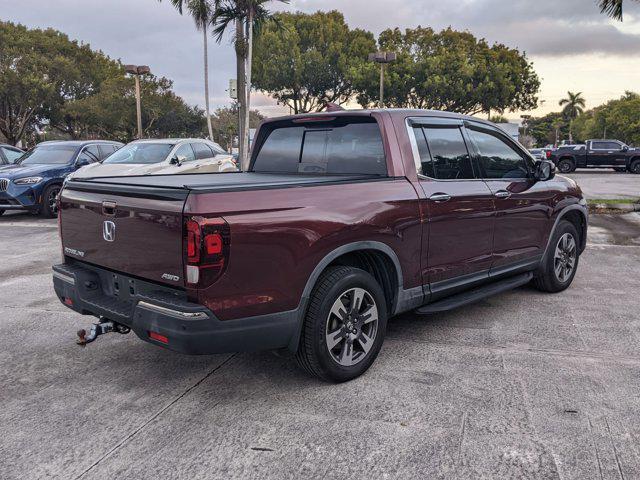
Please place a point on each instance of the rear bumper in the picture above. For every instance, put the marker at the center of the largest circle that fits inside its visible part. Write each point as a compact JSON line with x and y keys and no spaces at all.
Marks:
{"x":189,"y":328}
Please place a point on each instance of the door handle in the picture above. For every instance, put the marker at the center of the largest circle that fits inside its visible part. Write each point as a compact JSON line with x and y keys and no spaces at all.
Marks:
{"x":440,"y":197}
{"x":502,"y":194}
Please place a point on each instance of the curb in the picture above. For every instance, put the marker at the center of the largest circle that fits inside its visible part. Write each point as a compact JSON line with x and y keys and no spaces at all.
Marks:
{"x":614,"y":207}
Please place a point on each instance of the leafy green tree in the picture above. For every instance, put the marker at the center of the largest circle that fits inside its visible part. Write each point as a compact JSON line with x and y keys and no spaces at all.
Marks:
{"x":202,"y":12}
{"x":617,"y":119}
{"x":307,"y":60}
{"x":450,"y":70}
{"x":225,"y":124}
{"x":573,"y":107}
{"x":246,"y":16}
{"x":499,"y":119}
{"x":112,"y":112}
{"x":40,"y":70}
{"x":548,"y":129}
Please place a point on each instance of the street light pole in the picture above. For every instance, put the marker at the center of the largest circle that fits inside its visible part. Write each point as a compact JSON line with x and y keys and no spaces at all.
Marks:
{"x":136,"y":71}
{"x":382,"y":58}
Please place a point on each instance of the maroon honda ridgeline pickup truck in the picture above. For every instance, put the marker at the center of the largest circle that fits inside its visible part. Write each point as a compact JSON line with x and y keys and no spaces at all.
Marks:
{"x":343,"y":220}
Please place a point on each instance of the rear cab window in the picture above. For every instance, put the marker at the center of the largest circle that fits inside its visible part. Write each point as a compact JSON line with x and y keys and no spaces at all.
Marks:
{"x":339,"y":145}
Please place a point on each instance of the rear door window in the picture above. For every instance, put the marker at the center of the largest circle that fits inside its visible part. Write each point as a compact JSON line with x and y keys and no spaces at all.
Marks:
{"x":106,"y":150}
{"x":186,"y":152}
{"x":90,"y":154}
{"x":451,"y":159}
{"x":202,"y":151}
{"x":344,"y":148}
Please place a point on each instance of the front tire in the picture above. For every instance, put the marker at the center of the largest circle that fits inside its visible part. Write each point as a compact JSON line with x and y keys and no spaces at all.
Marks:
{"x":49,"y":207}
{"x":561,"y":263}
{"x":566,"y":165}
{"x":635,"y":167}
{"x":345,"y":325}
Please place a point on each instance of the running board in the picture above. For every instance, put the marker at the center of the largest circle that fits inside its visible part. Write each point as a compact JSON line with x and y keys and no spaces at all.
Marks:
{"x":475,"y":294}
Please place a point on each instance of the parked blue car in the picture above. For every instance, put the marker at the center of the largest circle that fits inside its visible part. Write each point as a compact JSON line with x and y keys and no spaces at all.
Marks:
{"x":33,"y":183}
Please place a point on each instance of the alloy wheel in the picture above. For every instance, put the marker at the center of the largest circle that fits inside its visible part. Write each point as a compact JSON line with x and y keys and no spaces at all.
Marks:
{"x":351,"y":327}
{"x":52,"y":200}
{"x":564,"y":260}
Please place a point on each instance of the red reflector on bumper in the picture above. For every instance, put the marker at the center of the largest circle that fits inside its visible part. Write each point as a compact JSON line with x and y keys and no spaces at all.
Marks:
{"x":68,"y":301}
{"x":158,"y":337}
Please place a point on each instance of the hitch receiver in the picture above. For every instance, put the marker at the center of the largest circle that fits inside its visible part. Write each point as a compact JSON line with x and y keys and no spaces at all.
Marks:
{"x":100,"y":328}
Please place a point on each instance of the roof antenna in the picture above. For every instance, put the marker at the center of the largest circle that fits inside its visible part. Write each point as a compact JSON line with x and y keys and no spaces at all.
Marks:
{"x":334,"y":107}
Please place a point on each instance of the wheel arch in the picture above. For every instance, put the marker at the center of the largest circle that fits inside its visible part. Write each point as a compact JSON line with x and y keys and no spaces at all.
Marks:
{"x":576,"y":214}
{"x":377,"y":258}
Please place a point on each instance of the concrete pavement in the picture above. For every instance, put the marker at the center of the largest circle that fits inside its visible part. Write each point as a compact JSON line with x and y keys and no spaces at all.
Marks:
{"x":522,"y":385}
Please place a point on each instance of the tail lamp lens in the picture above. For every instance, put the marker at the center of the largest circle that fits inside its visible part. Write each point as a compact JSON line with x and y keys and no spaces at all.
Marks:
{"x":207,"y":250}
{"x":548,"y":153}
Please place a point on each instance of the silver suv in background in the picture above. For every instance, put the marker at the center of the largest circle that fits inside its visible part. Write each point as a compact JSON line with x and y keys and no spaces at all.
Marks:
{"x":162,"y":157}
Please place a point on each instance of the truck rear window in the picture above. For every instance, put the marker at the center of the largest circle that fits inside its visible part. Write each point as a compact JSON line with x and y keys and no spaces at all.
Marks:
{"x":352,"y":147}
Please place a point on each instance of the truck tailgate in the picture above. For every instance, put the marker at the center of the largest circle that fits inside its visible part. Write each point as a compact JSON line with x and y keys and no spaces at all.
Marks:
{"x":125,"y":228}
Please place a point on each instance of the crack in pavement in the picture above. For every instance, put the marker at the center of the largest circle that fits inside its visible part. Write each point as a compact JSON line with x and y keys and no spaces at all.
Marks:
{"x":153,"y":417}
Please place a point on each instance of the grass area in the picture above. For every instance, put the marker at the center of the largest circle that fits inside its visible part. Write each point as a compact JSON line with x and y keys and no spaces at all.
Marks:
{"x":612,"y":201}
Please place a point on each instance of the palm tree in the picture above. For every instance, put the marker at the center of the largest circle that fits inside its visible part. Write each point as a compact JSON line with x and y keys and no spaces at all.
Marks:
{"x":202,"y":12}
{"x":613,"y":8}
{"x":246,"y":16}
{"x":573,"y":106}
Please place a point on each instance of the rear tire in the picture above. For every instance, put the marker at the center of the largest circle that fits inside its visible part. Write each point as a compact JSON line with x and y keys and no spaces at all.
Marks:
{"x":561,"y":263}
{"x":344,"y":326}
{"x":566,"y":165}
{"x":635,"y":167}
{"x":49,"y":208}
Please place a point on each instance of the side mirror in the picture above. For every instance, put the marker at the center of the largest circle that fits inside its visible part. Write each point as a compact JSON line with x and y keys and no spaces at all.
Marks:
{"x":81,"y":162}
{"x":178,"y":160}
{"x":625,"y":148}
{"x":545,"y":170}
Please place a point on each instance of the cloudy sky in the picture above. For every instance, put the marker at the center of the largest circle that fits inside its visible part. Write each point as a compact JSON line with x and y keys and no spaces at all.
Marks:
{"x":572,"y":46}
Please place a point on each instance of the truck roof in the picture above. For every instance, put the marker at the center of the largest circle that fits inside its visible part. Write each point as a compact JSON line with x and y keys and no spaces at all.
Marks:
{"x":401,"y":112}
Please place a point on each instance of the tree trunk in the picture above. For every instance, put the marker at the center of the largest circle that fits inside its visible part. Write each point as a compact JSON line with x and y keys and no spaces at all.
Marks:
{"x":245,"y":136}
{"x":206,"y":82}
{"x":242,"y":96}
{"x":571,"y":130}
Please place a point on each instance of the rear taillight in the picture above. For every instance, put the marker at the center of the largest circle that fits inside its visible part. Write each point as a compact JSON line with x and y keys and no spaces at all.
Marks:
{"x":548,"y":154}
{"x":206,"y":250}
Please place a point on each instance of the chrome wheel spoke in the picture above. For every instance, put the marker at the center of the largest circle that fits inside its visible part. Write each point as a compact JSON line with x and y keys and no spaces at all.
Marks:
{"x":334,"y":338}
{"x":369,"y":315}
{"x":346,"y":354}
{"x":365,"y":342}
{"x":356,"y":300}
{"x":339,"y":310}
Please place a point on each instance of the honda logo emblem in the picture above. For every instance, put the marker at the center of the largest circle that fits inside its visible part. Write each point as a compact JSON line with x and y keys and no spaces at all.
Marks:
{"x":109,"y":231}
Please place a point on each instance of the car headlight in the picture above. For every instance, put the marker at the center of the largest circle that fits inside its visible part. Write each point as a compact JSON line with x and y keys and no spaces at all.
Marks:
{"x":27,"y":181}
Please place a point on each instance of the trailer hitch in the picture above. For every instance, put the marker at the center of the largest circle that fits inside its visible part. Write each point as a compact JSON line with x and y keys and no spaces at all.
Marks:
{"x":100,"y":328}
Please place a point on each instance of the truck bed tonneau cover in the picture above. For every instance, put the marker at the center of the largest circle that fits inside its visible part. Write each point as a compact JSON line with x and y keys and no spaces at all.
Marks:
{"x":226,"y":181}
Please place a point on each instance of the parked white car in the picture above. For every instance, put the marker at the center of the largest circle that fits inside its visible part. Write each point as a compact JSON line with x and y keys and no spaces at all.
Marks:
{"x":162,"y":157}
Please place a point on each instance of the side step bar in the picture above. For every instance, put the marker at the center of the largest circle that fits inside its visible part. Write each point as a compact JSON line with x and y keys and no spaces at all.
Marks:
{"x":475,"y":294}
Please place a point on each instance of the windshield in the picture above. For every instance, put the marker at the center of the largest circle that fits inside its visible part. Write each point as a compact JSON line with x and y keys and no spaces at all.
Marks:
{"x":141,"y":153}
{"x":49,"y":155}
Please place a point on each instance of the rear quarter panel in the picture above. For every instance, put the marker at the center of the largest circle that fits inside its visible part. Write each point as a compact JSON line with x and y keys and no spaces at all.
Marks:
{"x":278,"y":236}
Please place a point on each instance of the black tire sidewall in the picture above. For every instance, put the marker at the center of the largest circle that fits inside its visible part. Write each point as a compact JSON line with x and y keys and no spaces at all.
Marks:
{"x":555,"y":284}
{"x":45,"y":210}
{"x":566,"y":161}
{"x":634,"y":167}
{"x":331,"y":369}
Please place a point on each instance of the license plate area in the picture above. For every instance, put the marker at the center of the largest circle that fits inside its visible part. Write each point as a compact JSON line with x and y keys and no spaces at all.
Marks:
{"x":121,"y":287}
